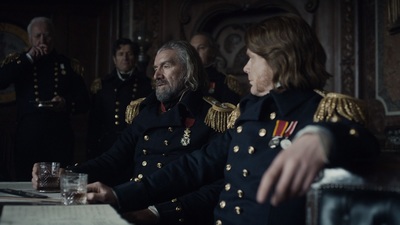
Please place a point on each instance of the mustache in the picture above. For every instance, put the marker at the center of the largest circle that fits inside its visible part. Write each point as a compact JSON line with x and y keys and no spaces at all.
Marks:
{"x":161,"y":82}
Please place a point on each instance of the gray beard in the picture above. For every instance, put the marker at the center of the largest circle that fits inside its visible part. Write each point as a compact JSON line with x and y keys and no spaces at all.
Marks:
{"x":168,"y":94}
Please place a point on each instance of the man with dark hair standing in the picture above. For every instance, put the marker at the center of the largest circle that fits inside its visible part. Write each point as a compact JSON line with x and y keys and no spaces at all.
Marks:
{"x":112,"y":94}
{"x":49,"y":88}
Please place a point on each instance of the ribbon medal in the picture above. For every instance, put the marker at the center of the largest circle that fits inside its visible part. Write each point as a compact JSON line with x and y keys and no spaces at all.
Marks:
{"x":283,"y":129}
{"x":279,"y":130}
{"x":185,"y":140}
{"x":285,"y":143}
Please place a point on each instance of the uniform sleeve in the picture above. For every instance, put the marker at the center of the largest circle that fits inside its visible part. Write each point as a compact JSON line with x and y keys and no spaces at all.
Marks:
{"x":350,"y":142}
{"x":116,"y":165}
{"x":193,"y":208}
{"x":189,"y":173}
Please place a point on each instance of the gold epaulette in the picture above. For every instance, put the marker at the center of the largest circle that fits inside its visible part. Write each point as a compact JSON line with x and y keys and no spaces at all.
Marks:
{"x":233,"y":117}
{"x":234,"y":84}
{"x":10,"y":58}
{"x":132,"y":110}
{"x":334,"y":105}
{"x":77,"y":66}
{"x":96,"y":86}
{"x":217,"y":116}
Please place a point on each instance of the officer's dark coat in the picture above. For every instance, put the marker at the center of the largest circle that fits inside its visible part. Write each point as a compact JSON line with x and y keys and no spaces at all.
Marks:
{"x":218,"y":87}
{"x":243,"y":154}
{"x":42,"y":133}
{"x":107,"y":115}
{"x":152,"y":141}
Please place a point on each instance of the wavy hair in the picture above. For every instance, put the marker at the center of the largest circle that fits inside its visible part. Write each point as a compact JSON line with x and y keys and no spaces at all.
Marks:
{"x":292,"y":49}
{"x":195,"y":76}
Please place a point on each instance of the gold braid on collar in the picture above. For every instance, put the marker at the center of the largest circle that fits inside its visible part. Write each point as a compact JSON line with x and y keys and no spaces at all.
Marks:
{"x":217,"y":116}
{"x":335,"y":105}
{"x":132,"y":110}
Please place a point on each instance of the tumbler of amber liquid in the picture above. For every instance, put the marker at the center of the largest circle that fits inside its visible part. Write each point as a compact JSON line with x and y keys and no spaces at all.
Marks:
{"x":49,"y":177}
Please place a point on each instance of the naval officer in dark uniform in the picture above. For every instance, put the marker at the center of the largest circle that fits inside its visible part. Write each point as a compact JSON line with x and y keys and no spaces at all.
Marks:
{"x":172,"y":121}
{"x":49,"y":88}
{"x":282,"y":135}
{"x":225,"y":88}
{"x":112,"y":94}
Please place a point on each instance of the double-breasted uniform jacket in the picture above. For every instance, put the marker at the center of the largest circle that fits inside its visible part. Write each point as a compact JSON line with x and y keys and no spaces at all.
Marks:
{"x":222,"y":87}
{"x":44,"y":134}
{"x":153,"y":140}
{"x":244,"y":153}
{"x":110,"y":98}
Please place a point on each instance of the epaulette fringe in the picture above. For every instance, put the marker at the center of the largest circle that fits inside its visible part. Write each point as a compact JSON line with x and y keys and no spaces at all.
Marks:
{"x":233,"y":117}
{"x":77,"y":66}
{"x":233,"y":83}
{"x":217,"y":116}
{"x":96,"y":86}
{"x":132,"y":110}
{"x":10,"y":58}
{"x":334,"y":105}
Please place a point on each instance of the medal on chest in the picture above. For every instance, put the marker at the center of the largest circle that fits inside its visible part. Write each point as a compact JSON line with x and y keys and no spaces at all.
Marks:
{"x":185,"y":140}
{"x":282,"y":131}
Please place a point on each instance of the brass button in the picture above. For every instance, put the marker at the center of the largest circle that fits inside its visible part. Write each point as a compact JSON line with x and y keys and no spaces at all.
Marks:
{"x":136,"y":179}
{"x":227,"y":187}
{"x":181,"y":220}
{"x":144,"y":163}
{"x":245,"y":173}
{"x":222,"y":204}
{"x":146,"y":137}
{"x":140,"y":176}
{"x":174,"y":200}
{"x":235,"y":148}
{"x":353,"y":132}
{"x":272,"y":115}
{"x":159,"y":165}
{"x":239,"y":129}
{"x":116,"y":123}
{"x":240,"y":193}
{"x":218,"y":222}
{"x":334,"y":119}
{"x":144,"y":152}
{"x":117,"y":103}
{"x":166,"y":142}
{"x":238,"y":210}
{"x":262,"y":132}
{"x":116,"y":110}
{"x":251,"y":150}
{"x":170,"y":129}
{"x":116,"y":116}
{"x":35,"y":86}
{"x":178,"y":208}
{"x":228,"y":167}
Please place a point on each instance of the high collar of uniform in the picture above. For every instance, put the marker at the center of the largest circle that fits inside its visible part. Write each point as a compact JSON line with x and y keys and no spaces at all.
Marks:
{"x":285,"y":102}
{"x":188,"y":100}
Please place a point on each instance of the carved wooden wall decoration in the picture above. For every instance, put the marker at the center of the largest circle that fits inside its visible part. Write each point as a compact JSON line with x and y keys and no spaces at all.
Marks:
{"x":347,"y":47}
